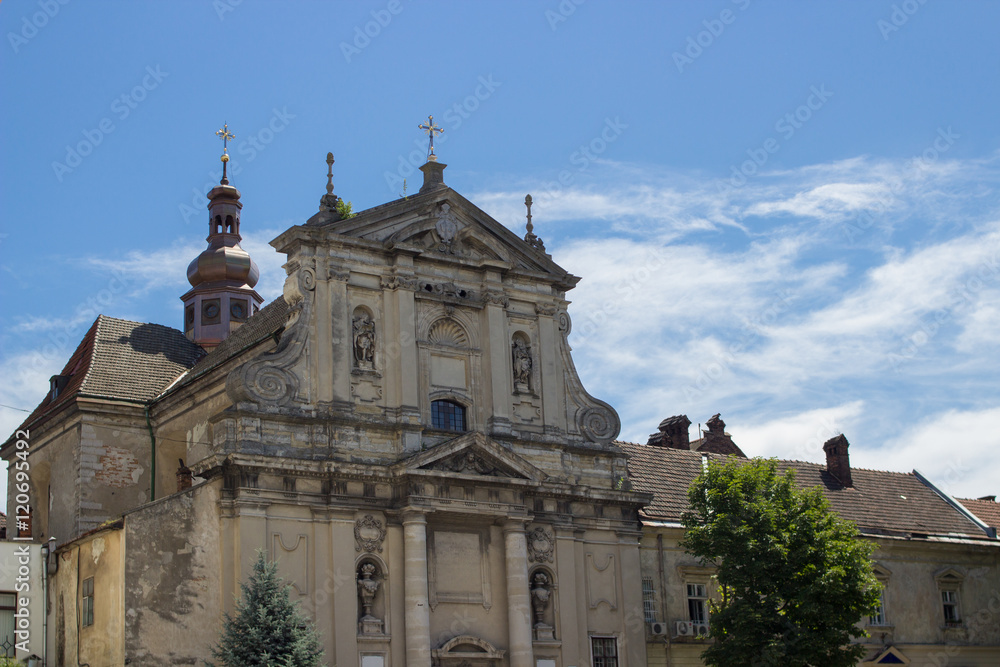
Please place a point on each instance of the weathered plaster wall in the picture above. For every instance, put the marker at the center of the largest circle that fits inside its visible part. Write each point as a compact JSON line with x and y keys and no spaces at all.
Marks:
{"x":172,"y":597}
{"x":101,"y":556}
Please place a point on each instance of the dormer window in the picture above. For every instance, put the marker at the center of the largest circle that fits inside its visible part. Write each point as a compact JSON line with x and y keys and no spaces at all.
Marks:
{"x":56,"y":384}
{"x":448,"y":416}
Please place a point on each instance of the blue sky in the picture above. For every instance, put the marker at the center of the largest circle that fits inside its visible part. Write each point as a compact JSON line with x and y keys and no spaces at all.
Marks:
{"x":784,"y":212}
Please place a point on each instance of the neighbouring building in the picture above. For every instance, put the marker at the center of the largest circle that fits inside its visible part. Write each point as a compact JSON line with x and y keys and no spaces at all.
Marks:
{"x":404,"y":430}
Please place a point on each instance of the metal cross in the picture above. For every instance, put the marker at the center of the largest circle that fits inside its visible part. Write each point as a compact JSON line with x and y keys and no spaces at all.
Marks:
{"x":430,"y":128}
{"x":225,"y":135}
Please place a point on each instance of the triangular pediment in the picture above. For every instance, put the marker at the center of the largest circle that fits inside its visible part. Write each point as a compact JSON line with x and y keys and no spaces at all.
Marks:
{"x":472,"y":454}
{"x":890,"y":656}
{"x":444,"y":225}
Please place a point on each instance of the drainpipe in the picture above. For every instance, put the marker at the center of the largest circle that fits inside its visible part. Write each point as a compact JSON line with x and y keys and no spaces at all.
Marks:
{"x":663,"y":595}
{"x":152,"y":464}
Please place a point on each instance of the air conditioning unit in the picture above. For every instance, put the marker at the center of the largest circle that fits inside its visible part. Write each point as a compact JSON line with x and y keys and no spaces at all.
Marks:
{"x":657,"y":628}
{"x":701,"y":629}
{"x":685,"y":629}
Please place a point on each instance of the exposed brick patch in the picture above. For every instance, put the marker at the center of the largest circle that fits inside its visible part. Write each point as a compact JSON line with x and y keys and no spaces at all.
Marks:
{"x":118,"y":468}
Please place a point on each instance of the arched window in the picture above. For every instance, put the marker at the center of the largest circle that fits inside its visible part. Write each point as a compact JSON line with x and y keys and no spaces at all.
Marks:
{"x":448,"y":416}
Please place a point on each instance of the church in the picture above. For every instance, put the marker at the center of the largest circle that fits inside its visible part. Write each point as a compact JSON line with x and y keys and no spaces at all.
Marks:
{"x":404,"y":431}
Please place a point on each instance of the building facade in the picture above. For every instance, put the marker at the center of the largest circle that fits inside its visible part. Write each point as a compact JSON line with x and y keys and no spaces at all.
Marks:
{"x":405,"y":432}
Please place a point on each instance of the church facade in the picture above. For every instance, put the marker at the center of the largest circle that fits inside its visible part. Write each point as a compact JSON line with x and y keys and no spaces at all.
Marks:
{"x":405,"y":432}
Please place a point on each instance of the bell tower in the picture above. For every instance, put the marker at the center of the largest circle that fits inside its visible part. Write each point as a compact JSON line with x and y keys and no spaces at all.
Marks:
{"x":223,"y":276}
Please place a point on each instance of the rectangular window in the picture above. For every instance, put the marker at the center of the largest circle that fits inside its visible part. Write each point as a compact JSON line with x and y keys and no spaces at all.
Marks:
{"x":697,"y":595}
{"x":878,"y":618}
{"x":8,"y":606}
{"x":949,"y":602}
{"x":648,"y":599}
{"x":604,"y":651}
{"x":87,"y":605}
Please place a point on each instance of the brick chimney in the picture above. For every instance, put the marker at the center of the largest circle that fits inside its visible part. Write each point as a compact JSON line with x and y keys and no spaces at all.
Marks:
{"x":838,"y":461}
{"x":673,"y":433}
{"x":184,"y":476}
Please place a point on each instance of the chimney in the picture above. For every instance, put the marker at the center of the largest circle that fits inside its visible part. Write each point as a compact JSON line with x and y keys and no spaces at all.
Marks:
{"x":673,"y":433}
{"x":838,"y":461}
{"x":184,"y":476}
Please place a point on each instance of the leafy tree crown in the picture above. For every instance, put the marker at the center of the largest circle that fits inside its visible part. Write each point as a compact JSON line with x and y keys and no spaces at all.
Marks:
{"x":794,"y":579}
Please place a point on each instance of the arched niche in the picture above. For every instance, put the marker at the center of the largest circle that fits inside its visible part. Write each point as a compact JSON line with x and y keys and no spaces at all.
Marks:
{"x":371,"y":575}
{"x":543,"y":589}
{"x":364,"y":339}
{"x":523,"y":363}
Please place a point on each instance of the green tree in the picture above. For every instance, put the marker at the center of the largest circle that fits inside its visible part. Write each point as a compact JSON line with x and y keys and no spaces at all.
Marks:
{"x":268,"y":630}
{"x":345,"y":209}
{"x":794,"y":578}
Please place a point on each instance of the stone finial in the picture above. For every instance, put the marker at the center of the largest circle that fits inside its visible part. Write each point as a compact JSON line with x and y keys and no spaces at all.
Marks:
{"x":530,"y":238}
{"x":329,"y":173}
{"x":328,"y":202}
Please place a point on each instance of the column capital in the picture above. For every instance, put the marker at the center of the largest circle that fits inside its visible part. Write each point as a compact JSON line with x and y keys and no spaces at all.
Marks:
{"x":512,"y":525}
{"x":410,"y":515}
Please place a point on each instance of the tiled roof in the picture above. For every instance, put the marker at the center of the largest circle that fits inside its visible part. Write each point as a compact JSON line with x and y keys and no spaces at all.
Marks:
{"x":263,"y":325}
{"x":879,"y":502}
{"x":119,"y":359}
{"x":987,"y":511}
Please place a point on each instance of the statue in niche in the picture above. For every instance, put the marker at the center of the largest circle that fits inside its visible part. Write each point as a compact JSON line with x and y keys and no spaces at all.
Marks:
{"x":522,"y":365}
{"x":364,"y":341}
{"x":540,"y":595}
{"x":367,"y":588}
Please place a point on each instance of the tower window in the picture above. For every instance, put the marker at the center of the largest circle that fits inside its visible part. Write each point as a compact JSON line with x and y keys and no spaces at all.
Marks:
{"x":447,"y":416}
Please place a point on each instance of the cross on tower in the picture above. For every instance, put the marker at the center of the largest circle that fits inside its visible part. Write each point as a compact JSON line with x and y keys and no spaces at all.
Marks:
{"x":430,"y":128}
{"x":225,"y":135}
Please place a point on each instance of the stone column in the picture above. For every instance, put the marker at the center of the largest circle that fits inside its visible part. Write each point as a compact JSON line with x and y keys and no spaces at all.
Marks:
{"x":417,"y":615}
{"x":518,"y":595}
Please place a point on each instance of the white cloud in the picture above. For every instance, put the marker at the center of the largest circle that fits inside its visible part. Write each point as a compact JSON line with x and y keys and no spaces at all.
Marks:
{"x":958,"y":450}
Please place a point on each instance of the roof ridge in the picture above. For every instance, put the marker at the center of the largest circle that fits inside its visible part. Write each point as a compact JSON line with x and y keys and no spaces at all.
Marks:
{"x":97,"y":326}
{"x":121,"y":319}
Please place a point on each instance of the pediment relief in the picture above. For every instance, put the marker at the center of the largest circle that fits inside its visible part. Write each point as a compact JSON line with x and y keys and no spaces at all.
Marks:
{"x":472,"y":463}
{"x":473,"y":454}
{"x":468,"y":650}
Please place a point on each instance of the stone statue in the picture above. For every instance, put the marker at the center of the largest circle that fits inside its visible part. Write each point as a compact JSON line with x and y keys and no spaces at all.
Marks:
{"x":364,"y":341}
{"x":367,"y":588}
{"x":522,"y":365}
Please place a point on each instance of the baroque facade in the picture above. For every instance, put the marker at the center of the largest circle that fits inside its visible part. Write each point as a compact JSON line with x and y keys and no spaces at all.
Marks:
{"x":405,"y":432}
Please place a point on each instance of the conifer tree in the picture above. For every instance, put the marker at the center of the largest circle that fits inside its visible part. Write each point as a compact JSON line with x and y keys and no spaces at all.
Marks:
{"x":268,"y":630}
